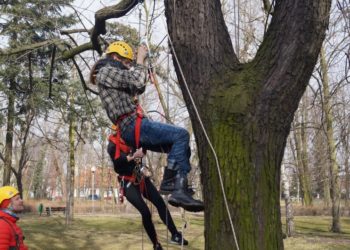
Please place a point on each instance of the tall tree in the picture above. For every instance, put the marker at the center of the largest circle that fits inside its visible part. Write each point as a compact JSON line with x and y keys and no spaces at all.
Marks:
{"x":302,"y":154}
{"x":288,"y":202}
{"x":331,"y":148}
{"x":247,"y":109}
{"x":26,"y":22}
{"x":71,"y":163}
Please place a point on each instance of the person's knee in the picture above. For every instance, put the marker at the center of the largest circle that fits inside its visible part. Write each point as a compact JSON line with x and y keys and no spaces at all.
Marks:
{"x":183,"y":134}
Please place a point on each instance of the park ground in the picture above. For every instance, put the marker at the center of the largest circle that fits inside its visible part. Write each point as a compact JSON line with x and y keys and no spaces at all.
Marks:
{"x":124,"y":232}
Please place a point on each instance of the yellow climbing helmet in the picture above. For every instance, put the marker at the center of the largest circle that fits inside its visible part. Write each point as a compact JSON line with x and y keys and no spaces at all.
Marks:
{"x":122,"y":48}
{"x":7,"y":192}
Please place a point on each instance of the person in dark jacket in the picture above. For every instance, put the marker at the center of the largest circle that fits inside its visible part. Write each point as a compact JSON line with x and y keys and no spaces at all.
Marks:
{"x":11,"y":236}
{"x":134,"y":187}
{"x":119,"y":81}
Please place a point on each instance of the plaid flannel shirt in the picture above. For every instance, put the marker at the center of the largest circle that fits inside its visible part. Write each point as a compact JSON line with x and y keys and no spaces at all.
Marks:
{"x":117,"y":89}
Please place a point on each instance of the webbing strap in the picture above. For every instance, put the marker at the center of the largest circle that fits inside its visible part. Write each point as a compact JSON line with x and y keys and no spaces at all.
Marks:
{"x":119,"y":144}
{"x":116,"y":138}
{"x":132,"y":179}
{"x":138,"y":122}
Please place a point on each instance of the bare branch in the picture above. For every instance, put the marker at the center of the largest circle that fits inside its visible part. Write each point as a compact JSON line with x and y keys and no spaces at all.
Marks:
{"x":73,"y":31}
{"x":30,"y":47}
{"x":51,"y":70}
{"x":82,"y":78}
{"x":109,"y":12}
{"x":69,"y":54}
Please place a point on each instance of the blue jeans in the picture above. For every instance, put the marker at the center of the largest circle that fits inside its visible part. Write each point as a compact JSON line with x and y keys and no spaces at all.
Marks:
{"x":162,"y":138}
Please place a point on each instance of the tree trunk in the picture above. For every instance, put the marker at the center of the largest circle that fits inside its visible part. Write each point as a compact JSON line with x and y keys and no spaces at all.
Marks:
{"x":289,"y":207}
{"x":326,"y":185}
{"x":38,"y":179}
{"x":303,"y":170}
{"x":247,"y":110}
{"x":9,"y":134}
{"x":70,"y":170}
{"x":321,"y":167}
{"x":332,"y":160}
{"x":24,"y":152}
{"x":304,"y":154}
{"x":347,"y":178}
{"x":345,"y":145}
{"x":103,"y":173}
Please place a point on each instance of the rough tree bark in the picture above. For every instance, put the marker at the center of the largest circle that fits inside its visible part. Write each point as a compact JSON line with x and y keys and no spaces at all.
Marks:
{"x":247,"y":109}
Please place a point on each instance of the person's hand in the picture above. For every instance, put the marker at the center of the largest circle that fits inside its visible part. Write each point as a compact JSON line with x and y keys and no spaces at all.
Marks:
{"x":138,"y":153}
{"x":142,"y":52}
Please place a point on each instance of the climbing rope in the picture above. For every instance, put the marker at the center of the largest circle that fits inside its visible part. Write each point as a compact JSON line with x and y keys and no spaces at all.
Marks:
{"x":184,"y":226}
{"x":207,"y":138}
{"x":145,"y":40}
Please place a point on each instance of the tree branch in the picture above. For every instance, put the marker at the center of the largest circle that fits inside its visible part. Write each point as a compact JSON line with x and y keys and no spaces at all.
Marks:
{"x":30,"y":47}
{"x":69,"y":54}
{"x":82,"y":77}
{"x":73,"y":31}
{"x":102,"y":15}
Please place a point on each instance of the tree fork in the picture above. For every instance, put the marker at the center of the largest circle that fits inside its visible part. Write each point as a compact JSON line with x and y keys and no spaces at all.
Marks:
{"x":247,"y":109}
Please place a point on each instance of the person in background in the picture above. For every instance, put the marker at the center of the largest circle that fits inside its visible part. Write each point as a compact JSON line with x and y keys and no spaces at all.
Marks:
{"x":135,"y":185}
{"x":11,"y":203}
{"x":120,"y":80}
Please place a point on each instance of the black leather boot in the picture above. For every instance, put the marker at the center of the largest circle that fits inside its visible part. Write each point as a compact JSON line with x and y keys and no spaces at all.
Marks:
{"x":167,"y":186}
{"x":168,"y":183}
{"x":181,"y":198}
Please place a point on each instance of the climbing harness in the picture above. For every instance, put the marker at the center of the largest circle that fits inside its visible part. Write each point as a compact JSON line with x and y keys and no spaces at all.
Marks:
{"x":116,"y":136}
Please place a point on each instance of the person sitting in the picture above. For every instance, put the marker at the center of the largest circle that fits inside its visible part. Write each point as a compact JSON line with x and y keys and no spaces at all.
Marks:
{"x":11,"y":203}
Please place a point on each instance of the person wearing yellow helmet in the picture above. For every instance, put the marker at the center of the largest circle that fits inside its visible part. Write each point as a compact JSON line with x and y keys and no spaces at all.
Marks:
{"x":118,"y":84}
{"x":11,"y":203}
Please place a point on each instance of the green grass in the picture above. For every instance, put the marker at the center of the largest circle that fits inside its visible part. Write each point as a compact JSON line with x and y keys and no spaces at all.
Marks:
{"x":124,"y":232}
{"x":313,"y":233}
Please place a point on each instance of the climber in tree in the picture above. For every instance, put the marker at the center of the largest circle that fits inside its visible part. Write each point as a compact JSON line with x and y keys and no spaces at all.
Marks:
{"x":119,"y":80}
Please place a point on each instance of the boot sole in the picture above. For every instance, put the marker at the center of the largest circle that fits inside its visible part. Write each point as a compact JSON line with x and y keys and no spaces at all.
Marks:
{"x":187,"y":208}
{"x":164,"y":192}
{"x":177,"y":243}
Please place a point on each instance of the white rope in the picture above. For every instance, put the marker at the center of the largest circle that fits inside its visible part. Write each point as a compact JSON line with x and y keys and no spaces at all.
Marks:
{"x":166,"y":218}
{"x":208,"y":139}
{"x":184,"y":226}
